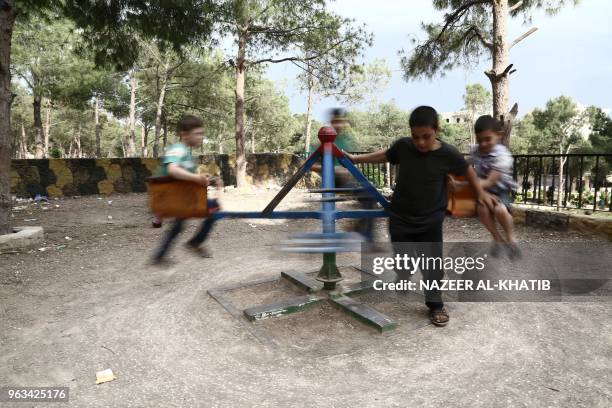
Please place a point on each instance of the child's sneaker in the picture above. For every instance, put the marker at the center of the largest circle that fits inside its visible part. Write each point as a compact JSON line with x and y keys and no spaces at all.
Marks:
{"x":160,"y":262}
{"x":199,"y":250}
{"x":156,"y":222}
{"x":496,"y":249}
{"x":514,"y":252}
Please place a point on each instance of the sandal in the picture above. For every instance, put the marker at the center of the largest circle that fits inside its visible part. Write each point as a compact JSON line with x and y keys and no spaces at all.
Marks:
{"x":439,"y":317}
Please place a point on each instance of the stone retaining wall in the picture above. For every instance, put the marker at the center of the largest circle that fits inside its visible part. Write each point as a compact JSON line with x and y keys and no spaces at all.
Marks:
{"x":559,"y":221}
{"x":76,"y":177}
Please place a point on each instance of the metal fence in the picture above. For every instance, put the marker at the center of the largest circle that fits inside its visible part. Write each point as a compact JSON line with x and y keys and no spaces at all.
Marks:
{"x":586,"y":179}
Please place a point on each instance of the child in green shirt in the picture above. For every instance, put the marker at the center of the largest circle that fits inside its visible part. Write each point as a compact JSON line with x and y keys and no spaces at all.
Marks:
{"x":178,"y":163}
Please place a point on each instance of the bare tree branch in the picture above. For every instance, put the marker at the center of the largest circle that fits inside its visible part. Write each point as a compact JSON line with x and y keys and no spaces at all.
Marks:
{"x":522,"y":37}
{"x":515,"y":7}
{"x":476,"y":31}
{"x":494,"y":76}
{"x":312,"y":57}
{"x":457,"y":14}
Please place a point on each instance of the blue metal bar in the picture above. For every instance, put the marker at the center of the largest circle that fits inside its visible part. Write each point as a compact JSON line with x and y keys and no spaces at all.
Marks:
{"x":364,"y":181}
{"x":361,"y":214}
{"x":328,"y":207}
{"x":300,"y":214}
{"x":292,"y":182}
{"x":273,"y":215}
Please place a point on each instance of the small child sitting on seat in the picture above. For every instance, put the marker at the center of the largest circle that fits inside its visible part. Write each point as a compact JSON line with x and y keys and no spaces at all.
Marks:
{"x":493,"y":164}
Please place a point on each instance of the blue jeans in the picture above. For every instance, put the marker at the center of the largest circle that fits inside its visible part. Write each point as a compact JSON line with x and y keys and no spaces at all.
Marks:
{"x":177,"y":227}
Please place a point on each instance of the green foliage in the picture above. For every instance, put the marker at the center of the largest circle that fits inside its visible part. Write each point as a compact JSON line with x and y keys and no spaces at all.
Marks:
{"x":477,"y":99}
{"x":456,"y":134}
{"x":42,"y":55}
{"x":113,"y":28}
{"x":464,"y":36}
{"x":553,"y":129}
{"x":269,"y":120}
{"x":329,"y":55}
{"x":525,"y":136}
{"x":379,"y":126}
{"x":559,"y":125}
{"x":601,"y":130}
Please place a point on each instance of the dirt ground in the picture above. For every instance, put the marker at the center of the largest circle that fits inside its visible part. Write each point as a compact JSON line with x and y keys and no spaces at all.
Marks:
{"x":85,"y":301}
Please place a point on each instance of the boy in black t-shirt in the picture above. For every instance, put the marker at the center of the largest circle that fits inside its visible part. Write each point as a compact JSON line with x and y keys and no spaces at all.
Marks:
{"x":419,"y":201}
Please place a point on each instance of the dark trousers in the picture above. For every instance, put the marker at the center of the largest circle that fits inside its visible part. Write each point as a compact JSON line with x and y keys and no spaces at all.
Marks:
{"x":176,"y":229}
{"x":365,"y":226}
{"x":431,"y":237}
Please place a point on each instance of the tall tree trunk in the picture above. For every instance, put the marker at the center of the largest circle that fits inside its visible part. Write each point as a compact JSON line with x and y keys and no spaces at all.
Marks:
{"x":98,"y":127}
{"x":499,"y":75}
{"x":239,"y":112}
{"x":561,"y":180}
{"x":39,"y":150}
{"x":562,"y":161}
{"x":77,"y":142}
{"x":220,"y":147}
{"x":47,"y":129}
{"x":145,"y":141}
{"x":23,"y":144}
{"x":131,"y":151}
{"x":161,"y":81}
{"x":7,"y":19}
{"x":165,"y":128}
{"x":253,"y":141}
{"x":309,"y":112}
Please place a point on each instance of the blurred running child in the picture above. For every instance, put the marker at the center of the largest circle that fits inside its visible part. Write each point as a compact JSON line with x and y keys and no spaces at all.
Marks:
{"x":178,"y":163}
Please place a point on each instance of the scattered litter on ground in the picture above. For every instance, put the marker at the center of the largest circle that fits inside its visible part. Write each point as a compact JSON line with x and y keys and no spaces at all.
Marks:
{"x":108,"y":348}
{"x":30,"y":219}
{"x":43,"y":249}
{"x":110,"y":217}
{"x":68,"y":239}
{"x":105,"y":376}
{"x":41,"y":198}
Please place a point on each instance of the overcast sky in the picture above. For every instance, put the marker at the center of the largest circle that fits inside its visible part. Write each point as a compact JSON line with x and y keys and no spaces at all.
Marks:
{"x":570,"y":54}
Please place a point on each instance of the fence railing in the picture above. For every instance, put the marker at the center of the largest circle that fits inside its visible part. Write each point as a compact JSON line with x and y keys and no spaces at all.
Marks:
{"x":581,"y":181}
{"x":586,"y":180}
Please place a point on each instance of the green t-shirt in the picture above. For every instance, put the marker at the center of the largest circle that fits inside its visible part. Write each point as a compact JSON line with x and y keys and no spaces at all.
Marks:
{"x":180,"y":154}
{"x":344,"y":141}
